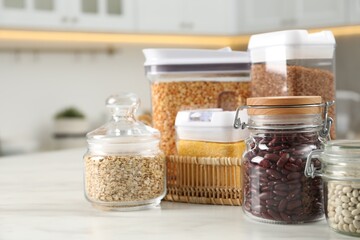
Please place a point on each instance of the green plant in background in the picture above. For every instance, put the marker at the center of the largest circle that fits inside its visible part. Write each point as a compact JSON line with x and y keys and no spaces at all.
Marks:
{"x":70,"y":113}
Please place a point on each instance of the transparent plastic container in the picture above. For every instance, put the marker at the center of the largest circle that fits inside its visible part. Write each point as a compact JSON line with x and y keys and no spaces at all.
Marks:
{"x":186,"y":79}
{"x":283,"y":131}
{"x":124,"y":167}
{"x":294,"y":63}
{"x":209,"y":133}
{"x":340,"y":171}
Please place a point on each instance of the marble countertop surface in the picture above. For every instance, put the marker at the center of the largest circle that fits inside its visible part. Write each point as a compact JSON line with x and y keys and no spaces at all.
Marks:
{"x":41,"y":197}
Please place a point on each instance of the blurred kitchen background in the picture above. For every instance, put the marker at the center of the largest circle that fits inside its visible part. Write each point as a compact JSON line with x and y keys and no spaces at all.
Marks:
{"x":60,"y":59}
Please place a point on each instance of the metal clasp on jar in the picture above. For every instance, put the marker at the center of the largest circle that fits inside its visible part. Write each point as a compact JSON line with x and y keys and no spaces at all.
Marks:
{"x":326,"y":126}
{"x":310,"y":169}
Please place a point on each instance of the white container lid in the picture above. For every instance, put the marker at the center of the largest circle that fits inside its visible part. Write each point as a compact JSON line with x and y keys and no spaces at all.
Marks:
{"x":172,"y":60}
{"x":291,"y":44}
{"x":178,"y":56}
{"x":210,"y":125}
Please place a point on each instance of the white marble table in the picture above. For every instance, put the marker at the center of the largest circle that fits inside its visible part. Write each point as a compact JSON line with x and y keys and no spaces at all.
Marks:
{"x":41,"y":197}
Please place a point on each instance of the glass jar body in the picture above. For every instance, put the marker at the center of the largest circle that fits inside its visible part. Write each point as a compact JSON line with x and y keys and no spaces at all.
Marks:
{"x":274,"y":185}
{"x":125,"y":181}
{"x":342,"y":205}
{"x":340,"y":171}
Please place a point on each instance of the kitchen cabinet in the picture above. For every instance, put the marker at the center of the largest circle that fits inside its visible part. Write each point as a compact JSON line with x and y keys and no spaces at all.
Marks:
{"x":73,"y":15}
{"x":187,"y":16}
{"x":355,"y":12}
{"x":160,"y":16}
{"x":192,"y":17}
{"x":320,"y":13}
{"x":263,"y":16}
{"x":33,"y":14}
{"x":210,"y":17}
{"x":101,"y":15}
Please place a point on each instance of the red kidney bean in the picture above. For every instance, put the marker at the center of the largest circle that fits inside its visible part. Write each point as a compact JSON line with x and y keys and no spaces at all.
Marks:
{"x":283,"y":159}
{"x":265,"y":163}
{"x":247,"y":206}
{"x":293,"y":204}
{"x":294,"y":175}
{"x":298,"y":211}
{"x":264,"y":180}
{"x":292,"y":167}
{"x":273,"y":183}
{"x":272,"y":157}
{"x":282,"y":205}
{"x":278,"y":148}
{"x":283,"y":179}
{"x":285,"y":217}
{"x":266,"y":216}
{"x":272,"y":202}
{"x":299,"y":162}
{"x":292,"y":160}
{"x":278,"y":198}
{"x":280,"y":193}
{"x":273,"y":142}
{"x":274,"y":173}
{"x":281,"y":187}
{"x":273,"y":167}
{"x":274,"y":214}
{"x":298,"y":153}
{"x":293,"y":194}
{"x":265,"y":189}
{"x":294,"y":186}
{"x":295,"y":181}
{"x":265,"y":195}
{"x":258,"y":208}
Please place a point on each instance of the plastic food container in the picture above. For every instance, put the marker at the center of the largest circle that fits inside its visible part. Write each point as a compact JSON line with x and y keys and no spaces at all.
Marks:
{"x":340,"y":171}
{"x":185,"y":79}
{"x":209,"y":133}
{"x":294,"y":63}
{"x":124,"y":167}
{"x":283,"y":131}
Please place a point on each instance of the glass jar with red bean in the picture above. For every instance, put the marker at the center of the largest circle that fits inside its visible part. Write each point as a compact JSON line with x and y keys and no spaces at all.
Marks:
{"x":283,"y":131}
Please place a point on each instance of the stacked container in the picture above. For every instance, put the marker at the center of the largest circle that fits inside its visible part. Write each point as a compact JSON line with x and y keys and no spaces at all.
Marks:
{"x":188,"y":79}
{"x":185,"y":79}
{"x":293,"y":63}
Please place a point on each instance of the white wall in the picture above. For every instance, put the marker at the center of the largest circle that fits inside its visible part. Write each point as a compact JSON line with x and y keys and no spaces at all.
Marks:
{"x":34,"y":86}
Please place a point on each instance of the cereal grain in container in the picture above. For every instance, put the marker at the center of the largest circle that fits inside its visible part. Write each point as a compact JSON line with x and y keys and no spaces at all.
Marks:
{"x":185,"y":79}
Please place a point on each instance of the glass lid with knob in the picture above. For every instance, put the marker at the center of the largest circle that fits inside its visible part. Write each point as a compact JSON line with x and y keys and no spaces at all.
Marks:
{"x":123,"y":133}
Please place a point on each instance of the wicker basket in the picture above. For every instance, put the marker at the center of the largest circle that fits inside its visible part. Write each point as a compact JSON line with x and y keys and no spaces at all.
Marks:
{"x":204,"y":180}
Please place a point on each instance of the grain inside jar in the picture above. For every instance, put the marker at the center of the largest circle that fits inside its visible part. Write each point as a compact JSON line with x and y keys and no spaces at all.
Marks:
{"x":124,"y":168}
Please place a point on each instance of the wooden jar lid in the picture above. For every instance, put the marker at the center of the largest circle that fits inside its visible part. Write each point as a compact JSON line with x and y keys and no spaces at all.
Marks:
{"x":284,"y":101}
